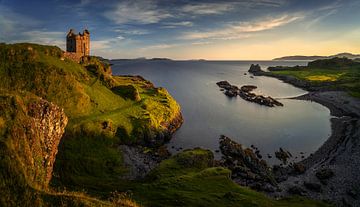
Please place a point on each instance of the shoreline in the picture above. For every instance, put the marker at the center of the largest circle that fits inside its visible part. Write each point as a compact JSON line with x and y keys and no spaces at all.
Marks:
{"x":340,"y":153}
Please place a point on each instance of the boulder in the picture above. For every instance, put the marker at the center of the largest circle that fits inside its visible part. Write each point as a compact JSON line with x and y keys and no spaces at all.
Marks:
{"x":283,"y":155}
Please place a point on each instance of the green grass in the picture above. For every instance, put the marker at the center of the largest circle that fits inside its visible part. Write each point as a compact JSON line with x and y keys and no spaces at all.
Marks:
{"x":339,"y":76}
{"x":189,"y":179}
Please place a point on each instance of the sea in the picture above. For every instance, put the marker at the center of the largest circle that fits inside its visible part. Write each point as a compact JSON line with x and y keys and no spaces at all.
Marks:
{"x":300,"y":127}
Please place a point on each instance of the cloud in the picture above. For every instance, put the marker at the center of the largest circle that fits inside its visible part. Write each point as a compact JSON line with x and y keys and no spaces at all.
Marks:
{"x":100,"y":44}
{"x":16,"y":27}
{"x":178,"y":24}
{"x":159,"y":47}
{"x":201,"y":43}
{"x":264,"y":3}
{"x":318,"y":18}
{"x":322,"y":13}
{"x":132,"y":31}
{"x":265,"y":24}
{"x":120,"y":37}
{"x":242,"y":29}
{"x":207,"y":8}
{"x":143,"y":12}
{"x":219,"y":8}
{"x":44,"y":37}
{"x":12,"y":23}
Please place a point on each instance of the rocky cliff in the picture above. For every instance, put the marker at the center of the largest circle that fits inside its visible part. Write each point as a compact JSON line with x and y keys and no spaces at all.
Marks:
{"x":33,"y":131}
{"x":47,"y":127}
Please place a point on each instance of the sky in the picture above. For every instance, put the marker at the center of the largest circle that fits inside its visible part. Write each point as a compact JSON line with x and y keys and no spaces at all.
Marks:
{"x":185,"y":29}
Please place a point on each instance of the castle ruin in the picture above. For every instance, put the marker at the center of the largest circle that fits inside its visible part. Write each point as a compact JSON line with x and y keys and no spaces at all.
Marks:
{"x":77,"y":45}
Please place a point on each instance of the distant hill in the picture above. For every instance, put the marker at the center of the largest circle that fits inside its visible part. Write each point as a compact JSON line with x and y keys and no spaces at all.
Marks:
{"x":315,"y":57}
{"x":142,"y":59}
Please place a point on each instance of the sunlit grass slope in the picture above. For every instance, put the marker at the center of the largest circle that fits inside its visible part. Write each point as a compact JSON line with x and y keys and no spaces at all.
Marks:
{"x":338,"y":73}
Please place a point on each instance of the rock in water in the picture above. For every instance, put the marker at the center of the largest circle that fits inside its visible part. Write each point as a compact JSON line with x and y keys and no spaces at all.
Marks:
{"x":254,"y":69}
{"x":231,"y":93}
{"x":223,"y":84}
{"x":248,"y":88}
{"x":245,"y":93}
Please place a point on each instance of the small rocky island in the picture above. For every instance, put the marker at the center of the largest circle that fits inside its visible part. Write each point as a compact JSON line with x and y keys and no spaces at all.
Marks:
{"x":245,"y":92}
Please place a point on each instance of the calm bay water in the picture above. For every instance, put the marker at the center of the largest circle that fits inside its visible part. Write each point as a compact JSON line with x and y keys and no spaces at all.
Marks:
{"x":299,"y":126}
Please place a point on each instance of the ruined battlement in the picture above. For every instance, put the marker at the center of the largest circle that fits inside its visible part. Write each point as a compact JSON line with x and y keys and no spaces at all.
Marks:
{"x":78,"y":45}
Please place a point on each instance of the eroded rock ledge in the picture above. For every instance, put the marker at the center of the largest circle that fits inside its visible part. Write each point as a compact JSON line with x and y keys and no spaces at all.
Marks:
{"x":245,"y":93}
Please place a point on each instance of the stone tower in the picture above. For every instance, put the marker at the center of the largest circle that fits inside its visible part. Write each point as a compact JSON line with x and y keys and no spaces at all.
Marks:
{"x":79,"y":44}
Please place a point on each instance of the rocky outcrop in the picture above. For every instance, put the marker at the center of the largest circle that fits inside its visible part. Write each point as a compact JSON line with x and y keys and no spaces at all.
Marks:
{"x":255,"y":69}
{"x":247,"y":169}
{"x":158,"y":138}
{"x":35,"y":127}
{"x":245,"y":93}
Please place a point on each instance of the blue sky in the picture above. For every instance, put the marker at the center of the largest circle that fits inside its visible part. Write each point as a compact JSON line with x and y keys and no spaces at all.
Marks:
{"x":232,"y":30}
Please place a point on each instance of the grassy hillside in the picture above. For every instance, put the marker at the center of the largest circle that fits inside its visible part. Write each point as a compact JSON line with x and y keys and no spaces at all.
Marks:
{"x":337,"y":73}
{"x":103,"y":111}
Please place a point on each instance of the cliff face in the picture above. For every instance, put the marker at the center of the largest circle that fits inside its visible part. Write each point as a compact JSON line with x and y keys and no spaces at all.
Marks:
{"x":33,"y":131}
{"x":48,"y":123}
